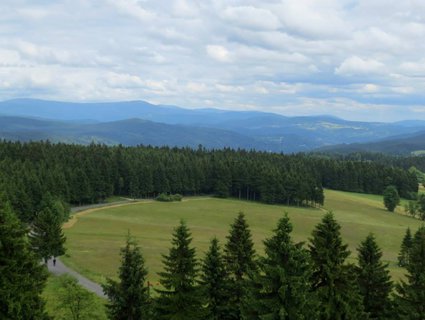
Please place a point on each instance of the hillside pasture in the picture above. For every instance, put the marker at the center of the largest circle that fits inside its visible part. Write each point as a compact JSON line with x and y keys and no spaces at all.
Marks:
{"x":95,"y":239}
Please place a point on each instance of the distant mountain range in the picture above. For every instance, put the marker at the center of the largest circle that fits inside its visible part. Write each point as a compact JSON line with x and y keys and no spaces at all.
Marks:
{"x":138,"y":122}
{"x":398,"y":145}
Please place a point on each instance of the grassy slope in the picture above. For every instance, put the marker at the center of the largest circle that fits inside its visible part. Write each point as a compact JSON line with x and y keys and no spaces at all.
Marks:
{"x":94,"y":241}
{"x":50,"y":294}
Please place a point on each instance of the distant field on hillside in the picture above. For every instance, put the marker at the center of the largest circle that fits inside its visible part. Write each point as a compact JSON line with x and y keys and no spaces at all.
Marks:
{"x":94,"y":241}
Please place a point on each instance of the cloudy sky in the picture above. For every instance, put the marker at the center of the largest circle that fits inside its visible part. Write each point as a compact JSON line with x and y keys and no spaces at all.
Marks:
{"x":354,"y":59}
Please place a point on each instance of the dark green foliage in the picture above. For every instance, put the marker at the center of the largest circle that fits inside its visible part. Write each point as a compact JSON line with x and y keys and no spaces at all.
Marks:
{"x":406,"y":247}
{"x":391,"y":198}
{"x":180,"y":299}
{"x":47,"y":238}
{"x":411,"y":208}
{"x":333,"y":280}
{"x":74,"y":299}
{"x":169,"y":198}
{"x":87,"y":174}
{"x":421,"y":206}
{"x":22,"y":277}
{"x":215,"y":285}
{"x":281,"y":289}
{"x":374,"y":279}
{"x":239,"y":257}
{"x":410,"y":299}
{"x":129,"y":297}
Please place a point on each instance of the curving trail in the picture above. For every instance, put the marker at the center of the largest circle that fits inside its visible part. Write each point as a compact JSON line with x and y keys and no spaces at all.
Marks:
{"x":83,"y":210}
{"x":60,"y":269}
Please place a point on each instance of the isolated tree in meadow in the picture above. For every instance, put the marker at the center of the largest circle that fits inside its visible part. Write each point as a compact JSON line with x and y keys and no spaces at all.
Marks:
{"x":391,"y":198}
{"x":180,"y":299}
{"x":374,"y":279}
{"x":334,"y":281}
{"x":410,"y":298}
{"x":215,"y":286}
{"x":239,"y":256}
{"x":281,"y":289}
{"x":406,"y":247}
{"x":75,"y":301}
{"x":128,"y":298}
{"x":47,"y":238}
{"x":22,"y":277}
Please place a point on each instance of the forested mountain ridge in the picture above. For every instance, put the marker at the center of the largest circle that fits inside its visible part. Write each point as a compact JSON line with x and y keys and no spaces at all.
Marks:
{"x":86,"y":174}
{"x":242,"y":129}
{"x":130,"y":132}
{"x":408,"y":144}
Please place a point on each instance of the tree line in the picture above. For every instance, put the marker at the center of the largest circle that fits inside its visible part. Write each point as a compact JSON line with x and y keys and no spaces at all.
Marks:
{"x":290,"y":281}
{"x":78,"y":174}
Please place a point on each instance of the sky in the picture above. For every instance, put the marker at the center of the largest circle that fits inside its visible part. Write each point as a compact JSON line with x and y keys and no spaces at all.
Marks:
{"x":359,"y":60}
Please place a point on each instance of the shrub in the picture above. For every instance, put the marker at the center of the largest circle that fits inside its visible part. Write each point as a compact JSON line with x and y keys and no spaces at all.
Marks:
{"x":169,"y":198}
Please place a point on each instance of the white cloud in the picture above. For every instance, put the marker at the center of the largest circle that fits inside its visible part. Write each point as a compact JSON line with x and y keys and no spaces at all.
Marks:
{"x":218,"y":53}
{"x":314,"y":18}
{"x":252,"y":18}
{"x":296,"y":56}
{"x":358,"y":66}
{"x":370,"y":88}
{"x":133,"y":8}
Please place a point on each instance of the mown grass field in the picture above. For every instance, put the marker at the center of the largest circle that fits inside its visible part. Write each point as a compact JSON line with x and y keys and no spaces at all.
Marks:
{"x":95,"y":239}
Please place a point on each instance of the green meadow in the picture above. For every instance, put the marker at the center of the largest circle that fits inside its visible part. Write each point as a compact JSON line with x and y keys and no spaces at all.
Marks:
{"x":55,"y":308}
{"x":94,"y":241}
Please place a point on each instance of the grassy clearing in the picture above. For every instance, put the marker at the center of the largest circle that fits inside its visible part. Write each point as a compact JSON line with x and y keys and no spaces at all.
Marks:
{"x":94,"y":241}
{"x":50,"y":294}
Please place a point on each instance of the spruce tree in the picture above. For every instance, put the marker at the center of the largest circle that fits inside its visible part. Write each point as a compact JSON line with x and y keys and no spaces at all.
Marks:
{"x":239,"y":257}
{"x":281,"y":289}
{"x":374,"y":279}
{"x":180,"y":299}
{"x":334,"y":281}
{"x":215,"y":284}
{"x":129,"y":297}
{"x":406,"y":246}
{"x":410,"y":301}
{"x":22,"y":278}
{"x":46,"y":235}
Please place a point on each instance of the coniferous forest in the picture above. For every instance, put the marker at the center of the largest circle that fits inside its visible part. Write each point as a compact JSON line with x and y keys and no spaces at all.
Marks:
{"x":289,"y":281}
{"x":79,"y":174}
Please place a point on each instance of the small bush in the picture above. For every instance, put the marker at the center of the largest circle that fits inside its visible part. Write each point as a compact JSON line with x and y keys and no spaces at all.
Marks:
{"x":177,"y":197}
{"x":169,"y":198}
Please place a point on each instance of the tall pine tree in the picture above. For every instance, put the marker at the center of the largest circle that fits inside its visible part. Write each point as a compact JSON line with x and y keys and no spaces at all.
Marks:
{"x":46,"y":235}
{"x":239,"y":256}
{"x":128,"y":297}
{"x":410,"y":301}
{"x":215,"y":286}
{"x":281,"y":289}
{"x":180,"y":299}
{"x":334,"y":281}
{"x":22,"y":278}
{"x":406,"y":247}
{"x":374,"y":279}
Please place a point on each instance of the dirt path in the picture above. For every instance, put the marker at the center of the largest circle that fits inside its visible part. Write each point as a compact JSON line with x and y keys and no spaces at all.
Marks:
{"x":82,"y":211}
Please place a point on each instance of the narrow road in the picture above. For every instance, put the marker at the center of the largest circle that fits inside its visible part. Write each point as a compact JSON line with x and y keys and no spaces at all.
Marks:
{"x":60,"y":269}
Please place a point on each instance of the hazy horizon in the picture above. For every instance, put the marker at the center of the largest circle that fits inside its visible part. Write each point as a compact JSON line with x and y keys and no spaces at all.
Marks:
{"x":356,"y":60}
